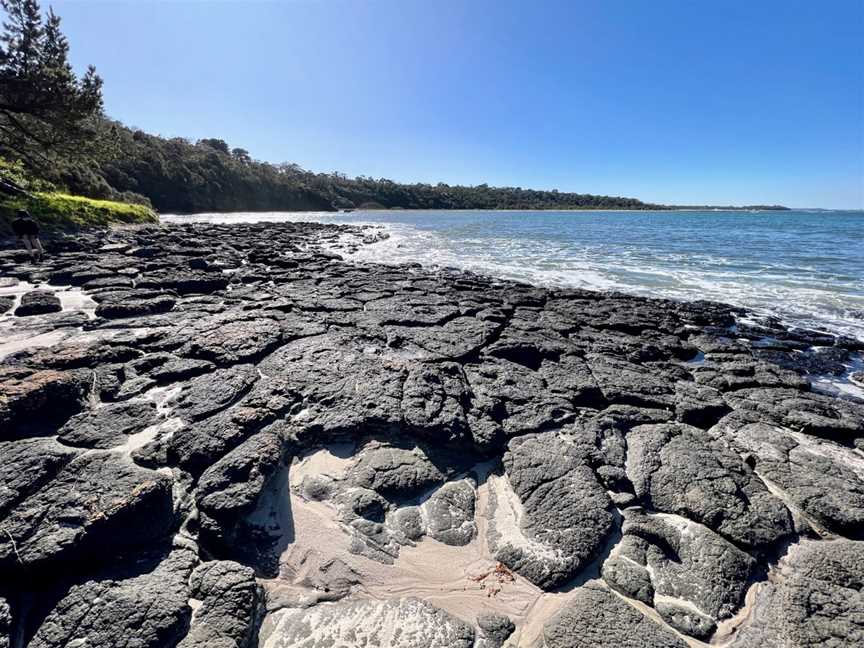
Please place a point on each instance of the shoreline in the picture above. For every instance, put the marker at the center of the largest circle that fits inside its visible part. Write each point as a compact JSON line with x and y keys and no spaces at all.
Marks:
{"x":531,"y":438}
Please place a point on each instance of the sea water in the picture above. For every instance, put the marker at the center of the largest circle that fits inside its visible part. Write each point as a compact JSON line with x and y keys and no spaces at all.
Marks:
{"x":807,"y":267}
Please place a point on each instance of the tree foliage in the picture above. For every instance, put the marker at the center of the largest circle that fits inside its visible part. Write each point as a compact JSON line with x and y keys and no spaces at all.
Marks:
{"x":48,"y":116}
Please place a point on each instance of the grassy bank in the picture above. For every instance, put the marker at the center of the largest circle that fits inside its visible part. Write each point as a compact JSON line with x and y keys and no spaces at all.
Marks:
{"x":55,"y":211}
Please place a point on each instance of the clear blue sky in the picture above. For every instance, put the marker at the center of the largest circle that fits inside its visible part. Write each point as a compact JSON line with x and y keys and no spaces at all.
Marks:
{"x":686,"y":102}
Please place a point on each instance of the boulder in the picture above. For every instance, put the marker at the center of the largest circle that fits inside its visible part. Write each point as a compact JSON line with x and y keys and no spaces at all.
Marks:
{"x":549,"y":515}
{"x":31,"y":399}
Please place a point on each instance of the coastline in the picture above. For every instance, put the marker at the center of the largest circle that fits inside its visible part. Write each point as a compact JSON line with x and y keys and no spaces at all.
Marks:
{"x":193,"y":368}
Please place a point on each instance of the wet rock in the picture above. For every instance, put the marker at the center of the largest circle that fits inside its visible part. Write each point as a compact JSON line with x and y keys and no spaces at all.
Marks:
{"x":683,"y":470}
{"x":565,"y":516}
{"x":597,"y":618}
{"x":816,"y":601}
{"x":107,"y":426}
{"x":32,"y":398}
{"x":97,"y":505}
{"x":38,"y":302}
{"x":495,"y":629}
{"x":145,"y":607}
{"x":395,"y":623}
{"x":6,"y":304}
{"x":230,"y":606}
{"x":28,"y":465}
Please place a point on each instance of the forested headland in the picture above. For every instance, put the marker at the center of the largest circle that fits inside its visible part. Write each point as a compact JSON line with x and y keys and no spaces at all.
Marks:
{"x":55,"y":134}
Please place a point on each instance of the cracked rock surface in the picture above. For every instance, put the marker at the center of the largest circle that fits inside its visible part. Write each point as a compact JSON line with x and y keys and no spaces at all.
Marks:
{"x":236,"y":437}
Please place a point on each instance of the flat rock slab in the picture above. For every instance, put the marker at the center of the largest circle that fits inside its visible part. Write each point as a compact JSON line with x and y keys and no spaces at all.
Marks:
{"x":108,"y":426}
{"x":30,"y":397}
{"x":96,"y":505}
{"x":38,"y":302}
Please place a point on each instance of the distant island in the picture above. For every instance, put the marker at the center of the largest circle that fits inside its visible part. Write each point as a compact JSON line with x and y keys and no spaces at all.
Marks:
{"x":59,"y":147}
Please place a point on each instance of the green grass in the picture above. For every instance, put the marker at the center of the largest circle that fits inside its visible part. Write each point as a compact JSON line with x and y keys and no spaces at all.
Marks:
{"x":56,"y":211}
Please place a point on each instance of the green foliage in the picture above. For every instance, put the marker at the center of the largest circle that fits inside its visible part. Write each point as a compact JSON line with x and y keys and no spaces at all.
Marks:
{"x":184,"y":177}
{"x":48,"y":116}
{"x":59,"y":211}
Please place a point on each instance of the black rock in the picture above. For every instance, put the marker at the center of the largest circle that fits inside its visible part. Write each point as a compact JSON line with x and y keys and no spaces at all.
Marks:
{"x":38,"y":302}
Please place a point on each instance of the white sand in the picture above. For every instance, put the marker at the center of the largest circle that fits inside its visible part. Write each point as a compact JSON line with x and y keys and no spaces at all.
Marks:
{"x":460,"y":580}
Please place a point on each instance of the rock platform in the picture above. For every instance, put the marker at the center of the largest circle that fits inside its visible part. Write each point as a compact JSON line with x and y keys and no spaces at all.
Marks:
{"x":234,"y":436}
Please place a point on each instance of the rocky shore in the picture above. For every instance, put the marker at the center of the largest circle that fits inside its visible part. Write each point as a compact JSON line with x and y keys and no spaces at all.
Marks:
{"x":233,"y":436}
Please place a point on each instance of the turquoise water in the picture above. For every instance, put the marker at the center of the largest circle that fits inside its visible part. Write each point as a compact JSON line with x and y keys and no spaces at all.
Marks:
{"x":805,"y":266}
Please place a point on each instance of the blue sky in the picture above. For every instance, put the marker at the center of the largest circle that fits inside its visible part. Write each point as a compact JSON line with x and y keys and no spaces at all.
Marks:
{"x":676,"y":102}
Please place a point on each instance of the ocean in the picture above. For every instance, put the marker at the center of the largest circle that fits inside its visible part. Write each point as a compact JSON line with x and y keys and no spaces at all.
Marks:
{"x":806,"y":267}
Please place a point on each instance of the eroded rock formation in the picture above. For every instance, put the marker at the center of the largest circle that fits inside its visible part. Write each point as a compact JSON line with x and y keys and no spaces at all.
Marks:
{"x":232,"y":436}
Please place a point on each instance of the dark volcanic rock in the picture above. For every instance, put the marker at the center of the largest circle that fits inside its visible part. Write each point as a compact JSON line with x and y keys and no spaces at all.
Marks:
{"x":395,"y":472}
{"x":450,"y":514}
{"x":817,"y":600}
{"x":692,"y":576}
{"x":38,"y":302}
{"x":30,"y":398}
{"x":230,"y":488}
{"x":130,"y":306}
{"x":5,"y":623}
{"x":820,"y":479}
{"x":654,"y":459}
{"x":213,"y":392}
{"x":147,"y":609}
{"x":494,"y":630}
{"x":597,"y":618}
{"x":28,"y":465}
{"x":230,"y":606}
{"x":680,"y":469}
{"x":566,"y":519}
{"x":832,"y":418}
{"x":107,"y":426}
{"x":96,"y":506}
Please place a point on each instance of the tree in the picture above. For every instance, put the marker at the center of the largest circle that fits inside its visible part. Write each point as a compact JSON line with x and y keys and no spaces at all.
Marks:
{"x":48,"y":116}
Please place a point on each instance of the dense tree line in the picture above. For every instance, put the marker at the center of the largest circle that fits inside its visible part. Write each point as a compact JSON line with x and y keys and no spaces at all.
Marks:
{"x":53,"y":122}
